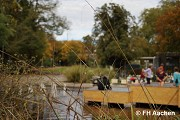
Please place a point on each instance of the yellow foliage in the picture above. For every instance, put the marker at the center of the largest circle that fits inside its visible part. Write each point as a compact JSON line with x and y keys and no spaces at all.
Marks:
{"x":76,"y":47}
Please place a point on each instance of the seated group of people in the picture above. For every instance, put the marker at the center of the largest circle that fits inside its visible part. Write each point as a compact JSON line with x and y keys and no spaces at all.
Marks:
{"x":162,"y":76}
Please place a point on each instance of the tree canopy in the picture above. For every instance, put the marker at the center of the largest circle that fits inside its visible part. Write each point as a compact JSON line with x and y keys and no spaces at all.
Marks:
{"x":73,"y":52}
{"x":111,"y":31}
{"x":26,"y":24}
{"x":27,"y":28}
{"x":167,"y":27}
{"x":160,"y":26}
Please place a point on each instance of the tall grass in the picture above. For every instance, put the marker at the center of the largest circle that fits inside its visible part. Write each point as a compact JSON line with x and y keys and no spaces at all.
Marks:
{"x":81,"y":73}
{"x":20,"y":99}
{"x":77,"y":74}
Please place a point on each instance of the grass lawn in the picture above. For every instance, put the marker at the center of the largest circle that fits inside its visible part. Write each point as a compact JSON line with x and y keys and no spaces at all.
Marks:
{"x":53,"y":70}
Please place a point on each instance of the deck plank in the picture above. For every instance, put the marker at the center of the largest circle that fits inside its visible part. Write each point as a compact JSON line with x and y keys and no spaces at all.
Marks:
{"x":153,"y":94}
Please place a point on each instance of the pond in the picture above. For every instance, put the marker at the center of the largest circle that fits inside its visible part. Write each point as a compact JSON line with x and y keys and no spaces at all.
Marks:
{"x":69,"y":105}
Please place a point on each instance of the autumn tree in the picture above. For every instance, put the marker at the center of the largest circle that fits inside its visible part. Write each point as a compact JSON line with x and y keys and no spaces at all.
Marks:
{"x":159,"y":26}
{"x":73,"y":52}
{"x":167,"y":27}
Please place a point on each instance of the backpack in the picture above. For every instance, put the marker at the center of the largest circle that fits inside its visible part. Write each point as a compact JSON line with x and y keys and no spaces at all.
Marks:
{"x":103,"y":83}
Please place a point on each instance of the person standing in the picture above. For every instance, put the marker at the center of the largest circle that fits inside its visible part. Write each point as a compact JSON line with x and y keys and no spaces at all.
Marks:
{"x":176,"y":76}
{"x":161,"y":76}
{"x":148,"y":73}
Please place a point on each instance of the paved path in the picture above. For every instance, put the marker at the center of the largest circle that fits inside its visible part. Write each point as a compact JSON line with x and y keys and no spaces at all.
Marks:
{"x":62,"y":80}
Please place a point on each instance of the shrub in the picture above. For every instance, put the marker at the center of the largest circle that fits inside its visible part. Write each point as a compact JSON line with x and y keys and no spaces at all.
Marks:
{"x":77,"y":74}
{"x":84,"y":74}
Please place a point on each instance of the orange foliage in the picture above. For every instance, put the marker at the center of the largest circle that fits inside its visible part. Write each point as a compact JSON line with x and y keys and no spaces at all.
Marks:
{"x":168,"y":29}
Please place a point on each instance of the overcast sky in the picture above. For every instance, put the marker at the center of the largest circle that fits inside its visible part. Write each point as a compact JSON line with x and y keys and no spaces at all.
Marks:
{"x":81,"y":15}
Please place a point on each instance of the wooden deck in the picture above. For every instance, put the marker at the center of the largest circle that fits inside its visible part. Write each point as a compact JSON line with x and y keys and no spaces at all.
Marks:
{"x":135,"y":94}
{"x":108,"y":96}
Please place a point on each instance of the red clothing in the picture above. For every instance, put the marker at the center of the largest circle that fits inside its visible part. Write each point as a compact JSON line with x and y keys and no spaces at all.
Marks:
{"x":132,"y":78}
{"x":142,"y":75}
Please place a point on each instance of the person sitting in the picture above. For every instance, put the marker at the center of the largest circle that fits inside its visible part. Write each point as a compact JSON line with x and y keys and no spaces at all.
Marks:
{"x":161,"y":76}
{"x":160,"y":67}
